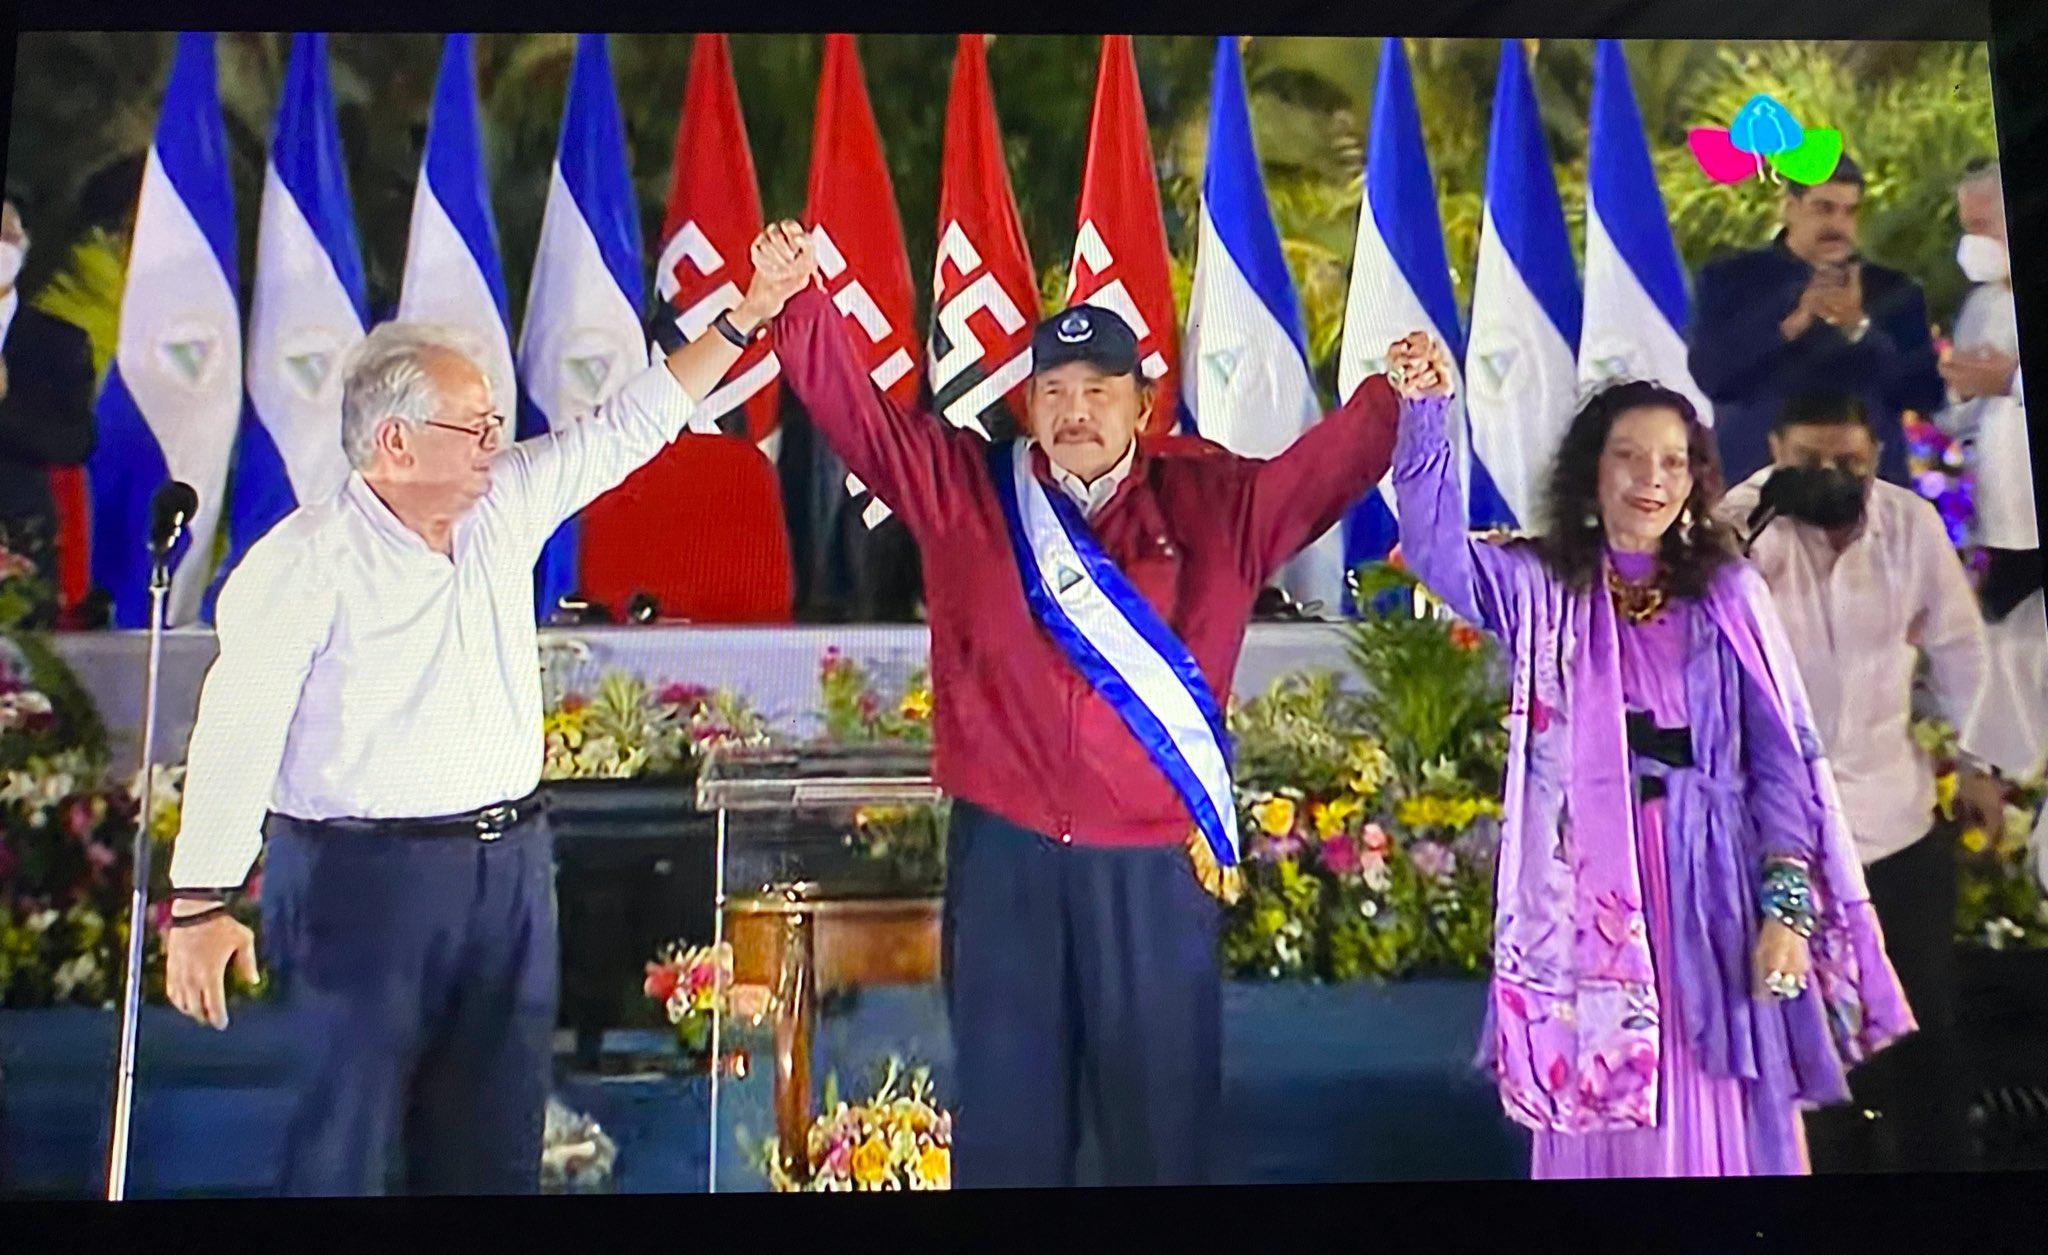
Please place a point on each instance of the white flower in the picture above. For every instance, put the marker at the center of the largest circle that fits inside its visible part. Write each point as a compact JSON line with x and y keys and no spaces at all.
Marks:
{"x":1369,"y":908}
{"x":72,"y":973}
{"x":41,"y":921}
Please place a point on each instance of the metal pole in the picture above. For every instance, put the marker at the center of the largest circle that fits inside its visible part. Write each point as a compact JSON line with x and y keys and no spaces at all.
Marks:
{"x":138,"y":902}
{"x":717,"y":1002}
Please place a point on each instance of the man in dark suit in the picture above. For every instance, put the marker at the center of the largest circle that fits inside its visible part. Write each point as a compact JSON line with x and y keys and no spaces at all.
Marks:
{"x":46,"y":382}
{"x":1807,"y":314}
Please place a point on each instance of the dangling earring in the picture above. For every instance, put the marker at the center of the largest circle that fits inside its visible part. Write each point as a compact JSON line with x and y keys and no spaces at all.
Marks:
{"x":1592,"y":519}
{"x":1685,"y":519}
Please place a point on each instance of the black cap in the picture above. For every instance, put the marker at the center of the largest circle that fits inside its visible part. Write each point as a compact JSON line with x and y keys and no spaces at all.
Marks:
{"x":1085,"y":333}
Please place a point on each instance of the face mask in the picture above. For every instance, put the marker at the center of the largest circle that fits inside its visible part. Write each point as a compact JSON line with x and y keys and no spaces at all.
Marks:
{"x":1983,"y":259}
{"x":11,"y":257}
{"x":1822,"y":496}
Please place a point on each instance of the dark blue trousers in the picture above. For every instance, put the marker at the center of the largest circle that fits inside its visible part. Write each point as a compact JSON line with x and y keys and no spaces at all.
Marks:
{"x":419,"y":978}
{"x":1081,"y":983}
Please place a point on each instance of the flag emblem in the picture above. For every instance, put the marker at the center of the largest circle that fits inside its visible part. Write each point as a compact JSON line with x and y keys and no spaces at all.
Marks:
{"x":309,"y":356}
{"x":189,"y":354}
{"x":1068,"y":577}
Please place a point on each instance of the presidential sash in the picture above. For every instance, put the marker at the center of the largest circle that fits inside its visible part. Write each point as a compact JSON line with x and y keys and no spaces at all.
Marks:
{"x":1127,"y":653}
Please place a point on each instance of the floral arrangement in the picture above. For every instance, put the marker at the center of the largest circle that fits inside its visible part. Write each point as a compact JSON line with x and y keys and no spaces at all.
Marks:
{"x":576,"y":1155}
{"x":853,"y":709}
{"x":1370,"y":816}
{"x":1999,"y":900}
{"x":899,"y":1139}
{"x":1941,"y":474}
{"x":629,"y":728}
{"x":691,"y":983}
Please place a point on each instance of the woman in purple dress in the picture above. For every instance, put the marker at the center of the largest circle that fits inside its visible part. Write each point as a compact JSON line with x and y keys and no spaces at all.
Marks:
{"x":1684,"y":951}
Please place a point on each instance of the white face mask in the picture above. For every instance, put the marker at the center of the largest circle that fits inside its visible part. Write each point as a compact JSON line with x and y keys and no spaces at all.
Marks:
{"x":1983,"y":259}
{"x":11,"y":256}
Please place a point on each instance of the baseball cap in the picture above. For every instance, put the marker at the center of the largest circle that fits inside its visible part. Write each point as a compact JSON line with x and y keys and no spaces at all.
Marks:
{"x":1085,"y":333}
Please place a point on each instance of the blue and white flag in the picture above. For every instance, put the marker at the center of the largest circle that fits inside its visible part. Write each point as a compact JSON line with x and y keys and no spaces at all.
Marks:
{"x":307,"y":313}
{"x":583,"y":336}
{"x":1400,"y":282}
{"x":1245,"y":378}
{"x":1636,"y":306}
{"x":452,"y":272}
{"x":1521,"y":369}
{"x":173,"y":394}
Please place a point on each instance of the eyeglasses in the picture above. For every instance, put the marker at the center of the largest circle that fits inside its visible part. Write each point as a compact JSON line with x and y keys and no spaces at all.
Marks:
{"x":482,"y":435}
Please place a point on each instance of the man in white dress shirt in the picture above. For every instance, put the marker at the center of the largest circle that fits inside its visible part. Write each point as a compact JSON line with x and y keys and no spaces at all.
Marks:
{"x":1868,"y":584}
{"x":1986,"y":411}
{"x":373,"y":724}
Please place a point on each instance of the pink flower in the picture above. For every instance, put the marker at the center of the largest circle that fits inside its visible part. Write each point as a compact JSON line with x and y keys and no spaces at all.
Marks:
{"x":839,"y":1161}
{"x":700,"y":977}
{"x":78,"y":818}
{"x":683,"y":695}
{"x":1340,"y":855}
{"x":1432,"y":860}
{"x":661,"y":981}
{"x":1376,"y":839}
{"x":98,"y":856}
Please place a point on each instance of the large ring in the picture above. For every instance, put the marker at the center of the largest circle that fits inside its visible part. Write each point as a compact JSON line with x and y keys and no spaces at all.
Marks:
{"x":1784,"y":985}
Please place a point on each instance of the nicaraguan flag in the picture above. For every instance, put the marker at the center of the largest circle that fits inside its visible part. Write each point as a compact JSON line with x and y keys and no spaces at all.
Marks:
{"x":1636,"y":307}
{"x":308,"y":312}
{"x":173,"y":394}
{"x":1245,"y":376}
{"x":1521,"y":372}
{"x":452,"y":272}
{"x":583,"y":337}
{"x":1400,"y":282}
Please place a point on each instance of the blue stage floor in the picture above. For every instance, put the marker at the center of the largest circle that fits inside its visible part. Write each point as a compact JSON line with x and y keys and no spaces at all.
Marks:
{"x":1321,"y":1084}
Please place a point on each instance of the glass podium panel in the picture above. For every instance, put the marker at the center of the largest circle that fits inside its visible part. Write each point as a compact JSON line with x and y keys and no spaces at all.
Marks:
{"x":829,"y":875}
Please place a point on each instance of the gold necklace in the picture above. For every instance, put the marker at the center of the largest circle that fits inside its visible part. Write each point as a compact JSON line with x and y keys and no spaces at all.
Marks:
{"x":1638,"y":603}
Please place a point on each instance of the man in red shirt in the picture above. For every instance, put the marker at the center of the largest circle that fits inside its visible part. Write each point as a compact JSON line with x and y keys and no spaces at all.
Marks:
{"x":1088,"y":594}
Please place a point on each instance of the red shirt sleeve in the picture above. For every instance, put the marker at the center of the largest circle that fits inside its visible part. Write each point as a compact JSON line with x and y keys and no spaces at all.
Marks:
{"x":1302,"y":493}
{"x":906,"y":459}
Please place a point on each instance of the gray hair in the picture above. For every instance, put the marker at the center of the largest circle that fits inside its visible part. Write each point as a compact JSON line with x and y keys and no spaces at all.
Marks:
{"x":383,"y":378}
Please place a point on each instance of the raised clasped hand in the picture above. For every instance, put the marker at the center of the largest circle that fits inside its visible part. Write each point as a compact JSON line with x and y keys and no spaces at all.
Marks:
{"x":1418,"y":367}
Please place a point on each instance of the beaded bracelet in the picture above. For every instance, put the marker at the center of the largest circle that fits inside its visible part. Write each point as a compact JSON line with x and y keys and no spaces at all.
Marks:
{"x":1787,"y":897}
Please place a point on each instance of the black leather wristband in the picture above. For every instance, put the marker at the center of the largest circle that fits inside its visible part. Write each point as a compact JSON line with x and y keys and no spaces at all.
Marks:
{"x":733,"y":335}
{"x":197,"y":917}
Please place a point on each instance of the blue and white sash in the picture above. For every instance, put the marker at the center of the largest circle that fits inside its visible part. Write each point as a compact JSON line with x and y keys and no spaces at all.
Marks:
{"x":1126,"y":651}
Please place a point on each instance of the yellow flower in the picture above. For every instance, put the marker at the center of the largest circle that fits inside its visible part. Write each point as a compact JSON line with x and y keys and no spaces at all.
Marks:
{"x":1369,"y":767}
{"x":567,"y":724}
{"x":870,"y":1161}
{"x":1973,"y":839}
{"x":1275,"y":816}
{"x":935,"y":1166}
{"x":1331,"y":817}
{"x":917,"y":703}
{"x":1945,"y":793}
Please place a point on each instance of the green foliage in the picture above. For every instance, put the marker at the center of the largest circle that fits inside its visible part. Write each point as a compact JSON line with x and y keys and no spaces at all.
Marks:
{"x":1432,"y":692}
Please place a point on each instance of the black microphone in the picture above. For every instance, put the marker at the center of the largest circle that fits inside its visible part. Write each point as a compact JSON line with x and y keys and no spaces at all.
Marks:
{"x":169,"y":511}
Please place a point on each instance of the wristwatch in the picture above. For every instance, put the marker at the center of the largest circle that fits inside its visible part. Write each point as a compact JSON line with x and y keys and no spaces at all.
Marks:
{"x":1856,"y":333}
{"x":737,"y":338}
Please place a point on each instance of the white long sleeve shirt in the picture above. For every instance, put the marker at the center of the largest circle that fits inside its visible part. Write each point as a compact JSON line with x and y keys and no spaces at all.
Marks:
{"x":362,"y":674}
{"x":1858,"y":621}
{"x":1996,"y":428}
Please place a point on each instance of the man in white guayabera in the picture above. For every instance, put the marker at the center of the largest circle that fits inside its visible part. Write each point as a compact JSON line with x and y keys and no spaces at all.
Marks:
{"x":378,"y":695}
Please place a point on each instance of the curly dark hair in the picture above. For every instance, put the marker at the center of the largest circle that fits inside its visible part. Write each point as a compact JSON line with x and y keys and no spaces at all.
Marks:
{"x":1571,"y":546}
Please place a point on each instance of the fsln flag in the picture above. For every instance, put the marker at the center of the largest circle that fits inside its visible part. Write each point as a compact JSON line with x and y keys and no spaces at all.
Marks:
{"x":582,"y":339}
{"x":851,"y":207}
{"x":1400,"y":282}
{"x":1521,"y":370}
{"x":307,"y":313}
{"x":713,"y":215}
{"x":169,"y":407}
{"x":1120,"y":259}
{"x":1637,"y":313}
{"x":1244,"y":361}
{"x":984,"y":294}
{"x":452,"y":270}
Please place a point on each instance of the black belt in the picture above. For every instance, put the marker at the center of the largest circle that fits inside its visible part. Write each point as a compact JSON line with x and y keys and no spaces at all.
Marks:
{"x":1670,"y":746}
{"x":486,"y":823}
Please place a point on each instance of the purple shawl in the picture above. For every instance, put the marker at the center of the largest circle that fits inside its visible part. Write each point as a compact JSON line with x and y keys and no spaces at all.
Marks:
{"x":1573,"y":1021}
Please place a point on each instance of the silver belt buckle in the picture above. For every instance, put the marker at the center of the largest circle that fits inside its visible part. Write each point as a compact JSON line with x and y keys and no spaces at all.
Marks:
{"x":492,"y":821}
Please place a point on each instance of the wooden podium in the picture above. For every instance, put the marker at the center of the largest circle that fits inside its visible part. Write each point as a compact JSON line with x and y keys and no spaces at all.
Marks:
{"x":801,"y":917}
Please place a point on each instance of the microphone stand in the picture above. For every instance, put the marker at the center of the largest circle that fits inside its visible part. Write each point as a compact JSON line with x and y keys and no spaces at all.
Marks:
{"x":138,"y":904}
